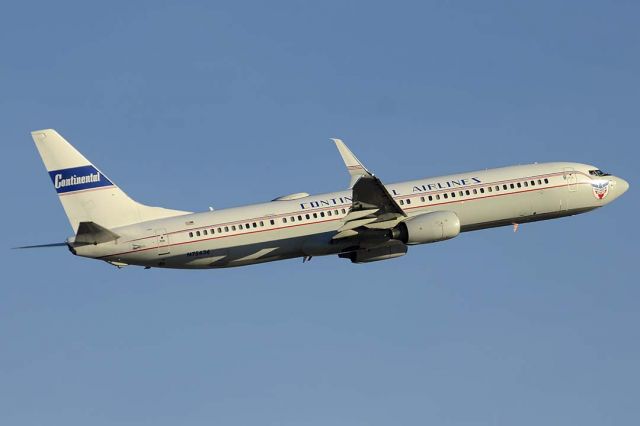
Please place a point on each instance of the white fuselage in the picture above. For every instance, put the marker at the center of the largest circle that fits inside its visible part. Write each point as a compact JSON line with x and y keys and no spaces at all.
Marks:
{"x":304,"y":226}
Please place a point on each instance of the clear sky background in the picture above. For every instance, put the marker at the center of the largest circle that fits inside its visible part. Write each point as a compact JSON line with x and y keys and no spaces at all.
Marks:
{"x":195,"y":104}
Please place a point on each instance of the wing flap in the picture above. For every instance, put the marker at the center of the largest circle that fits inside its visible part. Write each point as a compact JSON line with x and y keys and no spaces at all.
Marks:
{"x":352,"y":224}
{"x":355,"y":215}
{"x":385,"y":224}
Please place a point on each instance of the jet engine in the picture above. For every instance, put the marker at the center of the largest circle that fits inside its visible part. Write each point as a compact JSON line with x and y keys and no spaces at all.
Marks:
{"x":428,"y":228}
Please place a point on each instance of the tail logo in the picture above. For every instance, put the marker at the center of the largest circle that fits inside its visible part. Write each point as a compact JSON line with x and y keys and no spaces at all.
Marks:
{"x":78,"y":179}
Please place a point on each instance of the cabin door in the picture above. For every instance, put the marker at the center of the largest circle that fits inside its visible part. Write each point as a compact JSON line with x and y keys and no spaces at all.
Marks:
{"x":162,"y":242}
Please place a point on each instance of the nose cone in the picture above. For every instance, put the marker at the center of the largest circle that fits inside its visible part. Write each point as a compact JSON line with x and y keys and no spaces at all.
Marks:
{"x":623,"y":186}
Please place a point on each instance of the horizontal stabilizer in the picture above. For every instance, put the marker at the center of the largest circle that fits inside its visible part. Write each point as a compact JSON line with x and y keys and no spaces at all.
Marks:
{"x":42,"y":246}
{"x":92,"y":233}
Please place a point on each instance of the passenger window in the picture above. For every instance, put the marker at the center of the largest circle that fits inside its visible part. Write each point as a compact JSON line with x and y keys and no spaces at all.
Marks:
{"x":315,"y":215}
{"x":482,"y":190}
{"x":299,"y":218}
{"x":497,"y":188}
{"x":533,"y":183}
{"x":261,"y":223}
{"x":408,"y":201}
{"x":191,"y":234}
{"x":490,"y":189}
{"x":453,"y":195}
{"x":307,"y":216}
{"x":205,"y":232}
{"x":430,"y":198}
{"x":344,"y":211}
{"x":539,"y":182}
{"x":446,"y":195}
{"x":198,"y":233}
{"x":328,"y":212}
{"x":219,"y":230}
{"x":504,"y":187}
{"x":402,"y":202}
{"x":475,"y":191}
{"x":467,"y":192}
{"x":519,"y":185}
{"x":246,"y":226}
{"x":321,"y":214}
{"x":461,"y":193}
{"x":212,"y":231}
{"x":271,"y":221}
{"x":437,"y":196}
{"x":292,"y":219}
{"x":512,"y":186}
{"x":525,"y":183}
{"x":546,"y":180}
{"x":336,"y":212}
{"x":284,"y":220}
{"x":255,"y":225}
{"x":240,"y":227}
{"x":422,"y":199}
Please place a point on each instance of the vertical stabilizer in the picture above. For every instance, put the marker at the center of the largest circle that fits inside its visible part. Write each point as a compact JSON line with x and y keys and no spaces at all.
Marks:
{"x":87,"y":194}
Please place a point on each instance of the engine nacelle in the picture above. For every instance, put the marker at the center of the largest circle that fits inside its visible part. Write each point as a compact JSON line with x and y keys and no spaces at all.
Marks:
{"x":387,"y":251}
{"x":428,"y":228}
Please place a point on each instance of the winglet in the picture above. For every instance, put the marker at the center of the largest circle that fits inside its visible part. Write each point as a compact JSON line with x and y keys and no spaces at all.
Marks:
{"x":355,"y":168}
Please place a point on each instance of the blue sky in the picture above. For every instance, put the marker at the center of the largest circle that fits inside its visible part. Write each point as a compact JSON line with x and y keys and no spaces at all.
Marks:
{"x":196,"y":104}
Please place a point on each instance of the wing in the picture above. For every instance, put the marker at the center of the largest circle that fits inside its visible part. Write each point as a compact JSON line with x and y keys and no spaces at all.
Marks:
{"x":372,"y":208}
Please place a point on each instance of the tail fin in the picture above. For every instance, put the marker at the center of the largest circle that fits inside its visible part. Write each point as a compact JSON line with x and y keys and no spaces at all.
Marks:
{"x":86,"y":194}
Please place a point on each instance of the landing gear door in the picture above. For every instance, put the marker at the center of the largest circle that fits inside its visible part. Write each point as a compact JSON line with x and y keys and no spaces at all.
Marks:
{"x":571,"y":178}
{"x":162,"y":242}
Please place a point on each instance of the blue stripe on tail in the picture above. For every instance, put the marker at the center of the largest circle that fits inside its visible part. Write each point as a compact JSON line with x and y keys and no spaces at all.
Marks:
{"x":78,"y":178}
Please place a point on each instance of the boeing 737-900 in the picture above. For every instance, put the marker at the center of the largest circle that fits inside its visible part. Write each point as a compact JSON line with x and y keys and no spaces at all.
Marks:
{"x":367,"y":222}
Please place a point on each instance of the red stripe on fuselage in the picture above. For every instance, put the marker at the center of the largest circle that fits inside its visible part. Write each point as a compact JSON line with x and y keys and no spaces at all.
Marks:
{"x":329,"y":220}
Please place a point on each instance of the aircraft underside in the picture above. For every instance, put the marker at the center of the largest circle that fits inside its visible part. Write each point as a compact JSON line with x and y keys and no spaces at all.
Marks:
{"x":290,"y":248}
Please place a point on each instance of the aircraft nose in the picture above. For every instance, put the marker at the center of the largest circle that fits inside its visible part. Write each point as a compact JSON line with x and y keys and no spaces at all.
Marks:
{"x":623,"y":185}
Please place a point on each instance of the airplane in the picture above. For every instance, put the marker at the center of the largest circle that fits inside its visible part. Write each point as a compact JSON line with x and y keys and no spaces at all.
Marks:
{"x":367,"y":222}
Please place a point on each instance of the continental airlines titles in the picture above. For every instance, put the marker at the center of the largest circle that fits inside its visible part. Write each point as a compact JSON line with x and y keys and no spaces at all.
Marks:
{"x":417,"y":188}
{"x":59,"y":182}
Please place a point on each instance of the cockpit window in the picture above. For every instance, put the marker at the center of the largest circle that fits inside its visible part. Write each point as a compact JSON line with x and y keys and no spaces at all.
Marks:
{"x":598,"y":173}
